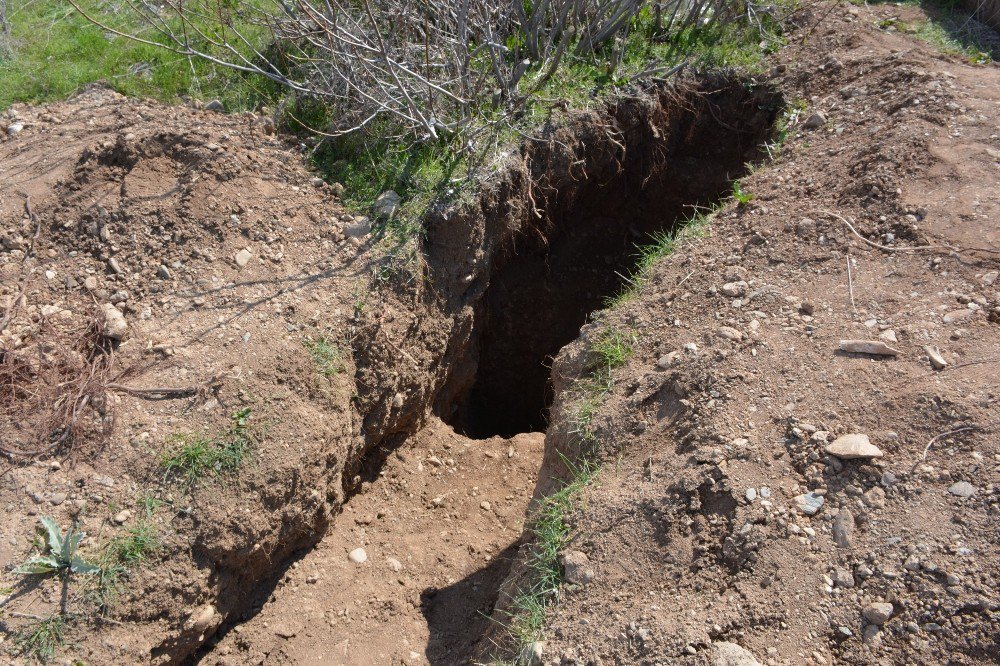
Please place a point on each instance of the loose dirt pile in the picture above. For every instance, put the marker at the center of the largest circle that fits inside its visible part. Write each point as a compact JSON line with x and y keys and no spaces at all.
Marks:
{"x":222,"y":258}
{"x":211,"y":354}
{"x":726,"y":520}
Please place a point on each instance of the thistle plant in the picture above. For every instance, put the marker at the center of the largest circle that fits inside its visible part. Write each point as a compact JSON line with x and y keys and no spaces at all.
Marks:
{"x":58,"y":553}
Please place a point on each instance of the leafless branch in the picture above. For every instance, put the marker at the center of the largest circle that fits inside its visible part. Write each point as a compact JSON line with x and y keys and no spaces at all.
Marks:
{"x":422,"y":68}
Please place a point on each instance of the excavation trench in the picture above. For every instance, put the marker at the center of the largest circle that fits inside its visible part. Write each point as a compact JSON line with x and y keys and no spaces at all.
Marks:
{"x":515,"y":275}
{"x":560,"y":234}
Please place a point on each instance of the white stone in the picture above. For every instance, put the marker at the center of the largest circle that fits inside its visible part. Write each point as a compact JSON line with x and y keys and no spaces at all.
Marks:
{"x":855,"y":445}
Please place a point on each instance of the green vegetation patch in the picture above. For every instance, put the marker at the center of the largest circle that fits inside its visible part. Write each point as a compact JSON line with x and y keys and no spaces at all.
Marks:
{"x":192,"y":458}
{"x":950,"y":28}
{"x":40,"y":639}
{"x":53,"y":52}
{"x":550,"y":526}
{"x":123,"y":554}
{"x":326,"y":354}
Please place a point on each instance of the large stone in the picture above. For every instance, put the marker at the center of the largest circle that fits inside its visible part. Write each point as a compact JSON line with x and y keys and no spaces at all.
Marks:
{"x":202,"y":620}
{"x":731,"y":654}
{"x":576,"y":567}
{"x":843,"y":529}
{"x":532,"y":654}
{"x":386,"y":204}
{"x":962,"y":489}
{"x":243,"y":257}
{"x":878,"y":612}
{"x":855,"y":445}
{"x":358,"y":556}
{"x":808,"y":503}
{"x":956,"y":316}
{"x":112,"y":321}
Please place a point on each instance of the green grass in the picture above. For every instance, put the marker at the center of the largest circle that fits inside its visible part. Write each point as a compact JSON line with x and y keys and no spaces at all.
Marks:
{"x":551,"y":530}
{"x":947,"y":29}
{"x":194,"y":457}
{"x":611,"y":350}
{"x":123,"y":554}
{"x":326,"y":355}
{"x":40,"y":640}
{"x":661,"y":245}
{"x":54,"y":52}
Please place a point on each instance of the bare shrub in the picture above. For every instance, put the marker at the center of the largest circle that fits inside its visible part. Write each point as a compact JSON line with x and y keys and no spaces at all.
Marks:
{"x":416,"y":68}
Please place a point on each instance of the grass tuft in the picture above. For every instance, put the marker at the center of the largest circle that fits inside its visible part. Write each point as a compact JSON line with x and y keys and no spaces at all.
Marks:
{"x":326,"y":355}
{"x":40,"y":640}
{"x":661,"y":245}
{"x":194,"y":458}
{"x":550,"y":526}
{"x":55,"y":52}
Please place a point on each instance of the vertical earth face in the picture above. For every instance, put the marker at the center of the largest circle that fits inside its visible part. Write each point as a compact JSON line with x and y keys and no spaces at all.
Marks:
{"x":279,"y":462}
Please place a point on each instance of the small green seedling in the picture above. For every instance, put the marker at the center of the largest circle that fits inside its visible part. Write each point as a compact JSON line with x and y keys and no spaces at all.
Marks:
{"x":58,"y":553}
{"x":742,"y":197}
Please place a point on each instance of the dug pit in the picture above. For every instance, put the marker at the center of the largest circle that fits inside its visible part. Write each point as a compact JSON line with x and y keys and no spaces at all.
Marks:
{"x":561,"y":232}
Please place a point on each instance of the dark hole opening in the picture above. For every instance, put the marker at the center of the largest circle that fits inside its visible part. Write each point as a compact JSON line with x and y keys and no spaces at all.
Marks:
{"x":547,"y":277}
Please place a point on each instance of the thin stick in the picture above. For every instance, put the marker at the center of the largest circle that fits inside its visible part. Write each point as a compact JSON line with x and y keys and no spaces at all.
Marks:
{"x":850,"y":282}
{"x":178,"y":392}
{"x":885,"y":248}
{"x":946,"y":434}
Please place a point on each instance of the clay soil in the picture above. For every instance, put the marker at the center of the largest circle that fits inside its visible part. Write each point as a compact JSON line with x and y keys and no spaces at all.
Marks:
{"x":436,"y":410}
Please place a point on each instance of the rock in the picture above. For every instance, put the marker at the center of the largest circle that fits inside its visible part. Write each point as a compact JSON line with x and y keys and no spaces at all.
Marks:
{"x":815,"y":121}
{"x":14,"y":129}
{"x":734,"y":289}
{"x":532,"y":653}
{"x":115,"y":267}
{"x":962,"y":489}
{"x":989,"y":278}
{"x":57,"y":498}
{"x":872,"y":636}
{"x":359,"y":228}
{"x":112,"y":322}
{"x":956,"y":316}
{"x":284,"y":631}
{"x":729,"y":333}
{"x":485,"y":506}
{"x":937,"y":360}
{"x":843,"y":529}
{"x":386,"y":204}
{"x":215,"y":105}
{"x":394,"y":564}
{"x":90,"y":283}
{"x":878,"y":612}
{"x":202,"y":619}
{"x":243,"y":257}
{"x":875,"y":498}
{"x":873,"y":347}
{"x":731,"y":654}
{"x":808,"y":503}
{"x":163,"y":272}
{"x":853,"y":446}
{"x":122,"y":516}
{"x":358,"y":556}
{"x":889,"y":336}
{"x":842,"y":578}
{"x":576,"y":567}
{"x":666,"y":361}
